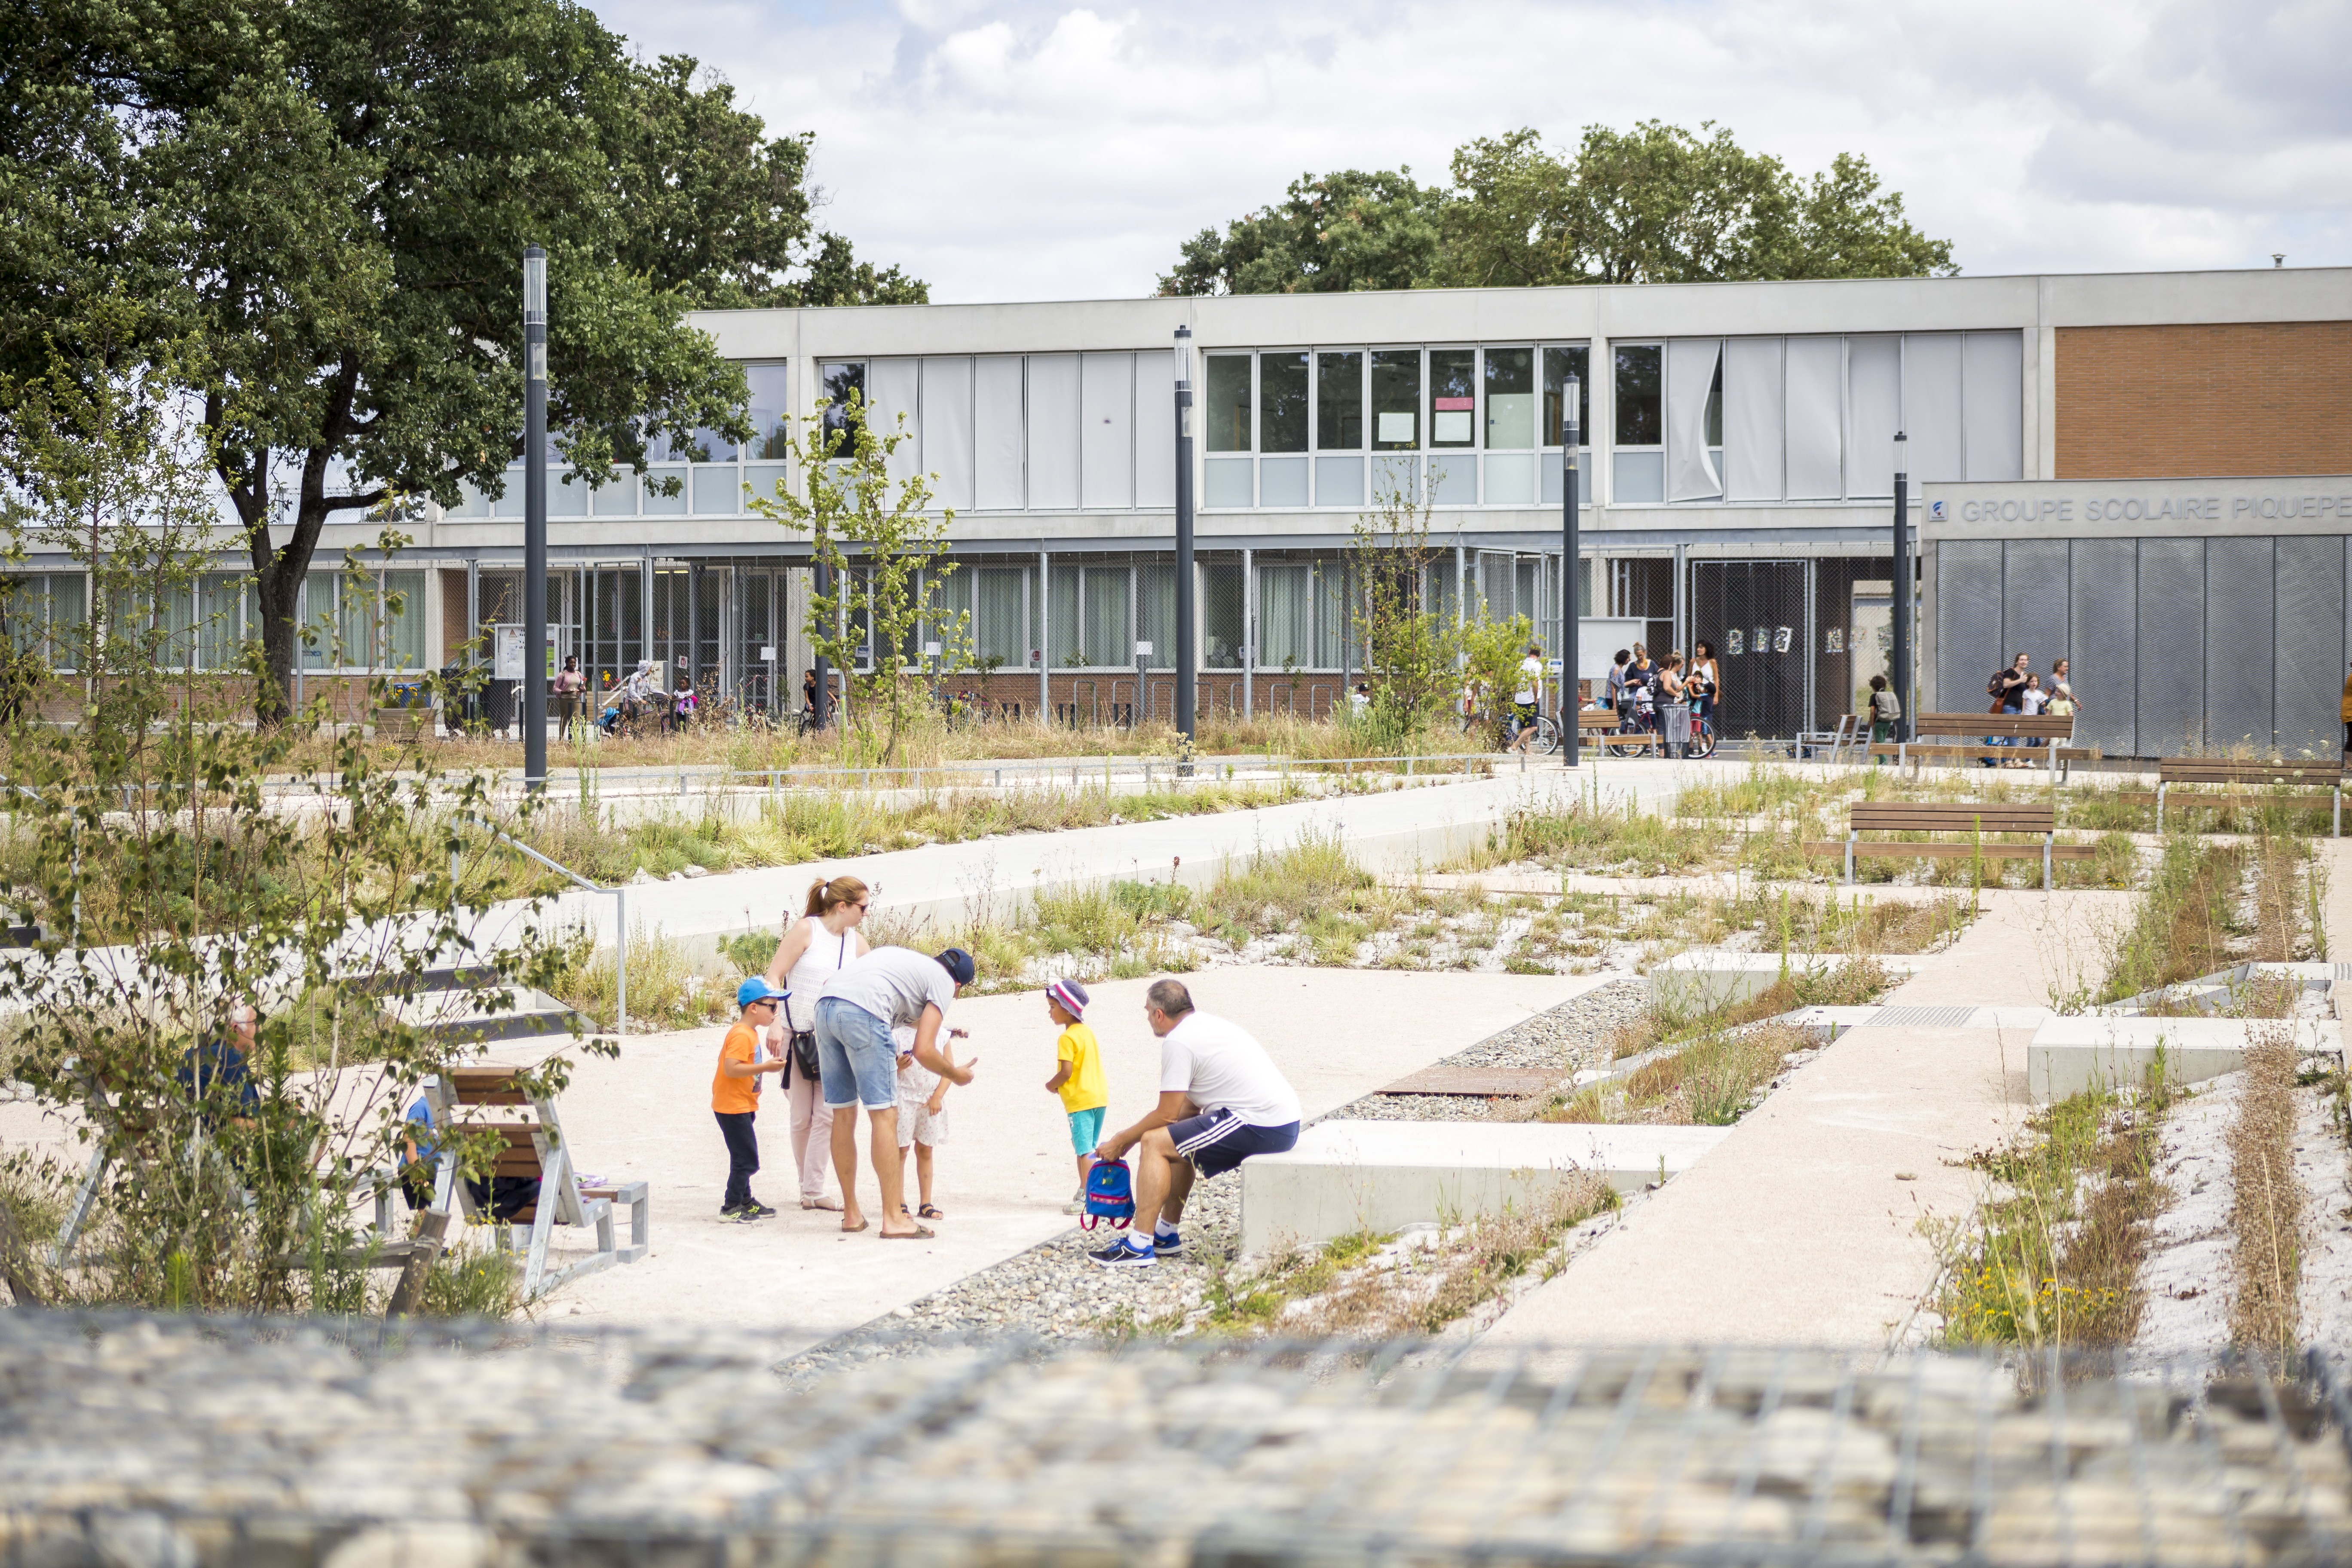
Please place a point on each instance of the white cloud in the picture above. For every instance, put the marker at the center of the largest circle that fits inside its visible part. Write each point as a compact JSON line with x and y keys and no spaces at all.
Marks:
{"x":1046,"y":149}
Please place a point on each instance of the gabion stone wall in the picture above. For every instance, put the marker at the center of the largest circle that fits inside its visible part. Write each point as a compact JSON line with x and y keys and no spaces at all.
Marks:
{"x":174,"y":1442}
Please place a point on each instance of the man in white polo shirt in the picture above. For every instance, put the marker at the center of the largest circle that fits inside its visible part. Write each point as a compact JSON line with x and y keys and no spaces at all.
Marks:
{"x":1220,"y":1101}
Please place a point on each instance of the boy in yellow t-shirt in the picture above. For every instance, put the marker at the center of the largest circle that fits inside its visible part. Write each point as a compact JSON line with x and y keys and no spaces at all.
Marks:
{"x":1077,"y":1076}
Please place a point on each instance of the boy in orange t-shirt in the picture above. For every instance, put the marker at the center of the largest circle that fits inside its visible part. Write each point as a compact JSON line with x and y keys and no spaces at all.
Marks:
{"x":735,"y":1095}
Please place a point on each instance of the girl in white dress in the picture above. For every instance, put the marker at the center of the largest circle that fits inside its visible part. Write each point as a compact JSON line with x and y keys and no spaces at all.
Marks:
{"x":822,"y":942}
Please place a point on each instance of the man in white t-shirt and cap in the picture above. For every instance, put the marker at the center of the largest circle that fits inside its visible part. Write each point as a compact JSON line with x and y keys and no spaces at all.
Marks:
{"x":1220,"y":1101}
{"x":857,"y":1061}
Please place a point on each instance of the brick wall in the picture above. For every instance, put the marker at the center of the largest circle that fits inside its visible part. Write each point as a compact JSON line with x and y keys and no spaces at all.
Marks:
{"x":1107,"y":697}
{"x":2181,"y":401}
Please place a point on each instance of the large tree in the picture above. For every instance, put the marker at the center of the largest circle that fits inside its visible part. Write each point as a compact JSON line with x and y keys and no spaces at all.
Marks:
{"x":1654,"y":205}
{"x":1333,"y":232}
{"x":317,"y":209}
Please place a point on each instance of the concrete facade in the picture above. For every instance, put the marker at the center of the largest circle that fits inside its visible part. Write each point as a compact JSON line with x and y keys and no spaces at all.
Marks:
{"x":1736,"y":460}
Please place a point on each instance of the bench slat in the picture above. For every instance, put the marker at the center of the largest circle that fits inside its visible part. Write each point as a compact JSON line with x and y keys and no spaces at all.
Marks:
{"x":1890,"y":817}
{"x":1880,"y":850}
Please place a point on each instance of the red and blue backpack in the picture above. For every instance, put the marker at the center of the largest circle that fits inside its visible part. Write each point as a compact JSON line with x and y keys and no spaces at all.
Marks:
{"x":1110,"y":1194}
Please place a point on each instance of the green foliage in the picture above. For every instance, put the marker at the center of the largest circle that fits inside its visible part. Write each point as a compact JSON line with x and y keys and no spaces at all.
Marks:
{"x":1412,"y":655}
{"x":749,"y":952}
{"x":317,"y":210}
{"x":168,"y":886}
{"x":1491,"y":653}
{"x":1656,"y":203}
{"x":858,"y":515}
{"x":1332,"y":233}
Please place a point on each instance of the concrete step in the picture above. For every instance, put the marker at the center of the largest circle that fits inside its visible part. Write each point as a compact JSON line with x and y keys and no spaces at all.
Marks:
{"x":2068,"y":1054}
{"x":1379,"y":1176}
{"x":1707,"y":978}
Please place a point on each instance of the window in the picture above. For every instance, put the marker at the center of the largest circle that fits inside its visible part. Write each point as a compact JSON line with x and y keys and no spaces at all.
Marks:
{"x":1396,"y":400}
{"x":355,"y":625}
{"x":838,"y":381}
{"x":1000,"y":632}
{"x":1282,"y":402}
{"x":770,"y":404}
{"x":1560,"y":363}
{"x":1109,"y":642}
{"x":1510,"y":398}
{"x":44,"y":615}
{"x":1452,"y":397}
{"x":1226,"y":406}
{"x":1638,"y":421}
{"x":1339,"y":402}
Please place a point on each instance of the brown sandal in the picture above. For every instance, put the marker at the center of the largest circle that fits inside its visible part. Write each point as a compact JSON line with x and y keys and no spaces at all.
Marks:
{"x":918,"y":1233}
{"x":853,"y":1229}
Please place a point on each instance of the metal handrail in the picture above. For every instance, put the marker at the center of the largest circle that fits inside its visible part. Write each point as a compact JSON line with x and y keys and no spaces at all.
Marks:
{"x":620,"y":914}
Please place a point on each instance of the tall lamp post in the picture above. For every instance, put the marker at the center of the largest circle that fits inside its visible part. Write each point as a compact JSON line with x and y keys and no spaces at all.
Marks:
{"x":1571,"y":394}
{"x":534,"y":520}
{"x":1186,"y":654}
{"x":1902,"y":586}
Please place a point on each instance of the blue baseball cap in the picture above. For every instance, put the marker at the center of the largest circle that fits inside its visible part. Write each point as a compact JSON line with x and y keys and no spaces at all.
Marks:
{"x":757,"y":990}
{"x":959,"y":964}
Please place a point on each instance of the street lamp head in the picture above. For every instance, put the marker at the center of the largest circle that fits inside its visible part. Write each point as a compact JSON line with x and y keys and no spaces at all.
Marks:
{"x":1184,"y":355}
{"x":1902,"y":460}
{"x":1572,"y":404}
{"x":534,"y":284}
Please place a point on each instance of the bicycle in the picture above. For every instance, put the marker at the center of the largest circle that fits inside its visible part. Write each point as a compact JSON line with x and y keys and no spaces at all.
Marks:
{"x":1547,"y":734}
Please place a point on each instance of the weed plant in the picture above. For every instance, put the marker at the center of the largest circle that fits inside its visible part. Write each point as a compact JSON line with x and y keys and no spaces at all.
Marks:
{"x":2052,"y":1258}
{"x":2267,"y":1200}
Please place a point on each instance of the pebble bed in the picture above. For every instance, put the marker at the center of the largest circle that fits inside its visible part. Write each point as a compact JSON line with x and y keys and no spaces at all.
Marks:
{"x":186,"y":1443}
{"x":1054,"y":1291}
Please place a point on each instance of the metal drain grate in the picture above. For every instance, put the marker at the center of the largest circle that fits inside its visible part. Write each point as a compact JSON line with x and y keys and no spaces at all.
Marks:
{"x":1922,"y":1018}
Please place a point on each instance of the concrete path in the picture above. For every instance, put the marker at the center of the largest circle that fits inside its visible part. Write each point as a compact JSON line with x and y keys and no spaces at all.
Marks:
{"x":1007,"y":1170}
{"x":2336,"y":909}
{"x":1812,"y":1223}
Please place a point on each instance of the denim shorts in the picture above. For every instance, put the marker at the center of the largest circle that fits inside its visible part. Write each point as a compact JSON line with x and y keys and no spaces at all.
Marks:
{"x":857,"y":1060}
{"x":1085,"y":1128}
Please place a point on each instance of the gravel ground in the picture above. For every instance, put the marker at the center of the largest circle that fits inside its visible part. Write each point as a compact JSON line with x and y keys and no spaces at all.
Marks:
{"x":1569,"y":1037}
{"x":1051,"y":1291}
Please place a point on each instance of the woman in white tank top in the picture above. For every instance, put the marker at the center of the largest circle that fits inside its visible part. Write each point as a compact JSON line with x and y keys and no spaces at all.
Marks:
{"x":818,"y":945}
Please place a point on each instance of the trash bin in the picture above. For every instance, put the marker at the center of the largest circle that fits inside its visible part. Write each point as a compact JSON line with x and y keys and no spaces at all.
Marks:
{"x":1674,"y":721}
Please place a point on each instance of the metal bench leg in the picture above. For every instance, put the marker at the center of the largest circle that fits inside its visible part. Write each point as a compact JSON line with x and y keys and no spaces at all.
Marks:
{"x":78,"y":1214}
{"x":2160,"y":807}
{"x":2047,"y":840}
{"x":1848,"y":859}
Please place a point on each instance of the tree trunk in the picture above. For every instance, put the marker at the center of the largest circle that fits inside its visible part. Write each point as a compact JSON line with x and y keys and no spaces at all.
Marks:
{"x":276,"y":595}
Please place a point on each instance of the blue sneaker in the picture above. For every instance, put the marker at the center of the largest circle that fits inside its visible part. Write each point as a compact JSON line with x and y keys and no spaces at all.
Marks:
{"x":1168,"y":1244}
{"x":1128,"y":1252}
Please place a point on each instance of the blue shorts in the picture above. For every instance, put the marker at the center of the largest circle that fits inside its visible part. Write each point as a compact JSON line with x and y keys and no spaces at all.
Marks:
{"x":1085,"y":1128}
{"x":1220,"y":1141}
{"x":856,"y":1057}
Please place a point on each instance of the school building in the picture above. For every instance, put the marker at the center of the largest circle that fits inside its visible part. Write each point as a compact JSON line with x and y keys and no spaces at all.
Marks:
{"x":1736,"y":467}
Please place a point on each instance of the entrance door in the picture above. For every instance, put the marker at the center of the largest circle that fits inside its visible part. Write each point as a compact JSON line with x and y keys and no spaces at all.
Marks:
{"x":1754,"y":614}
{"x":758,"y":661}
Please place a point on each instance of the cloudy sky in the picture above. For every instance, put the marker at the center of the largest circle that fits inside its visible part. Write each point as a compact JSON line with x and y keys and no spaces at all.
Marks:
{"x":1064,"y":149}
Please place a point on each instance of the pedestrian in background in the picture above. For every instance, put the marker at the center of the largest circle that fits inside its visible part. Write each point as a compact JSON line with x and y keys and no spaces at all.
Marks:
{"x":569,"y":685}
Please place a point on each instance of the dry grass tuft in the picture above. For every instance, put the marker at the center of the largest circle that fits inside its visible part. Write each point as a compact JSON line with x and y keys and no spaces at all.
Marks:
{"x":1708,"y":1083}
{"x":2267,"y":1202}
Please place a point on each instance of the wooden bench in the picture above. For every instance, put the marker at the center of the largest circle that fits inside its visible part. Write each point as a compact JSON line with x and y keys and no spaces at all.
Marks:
{"x":1598,"y":726}
{"x":535,"y":1149}
{"x":1974,"y":818}
{"x":1965,"y":739}
{"x":2252,"y":779}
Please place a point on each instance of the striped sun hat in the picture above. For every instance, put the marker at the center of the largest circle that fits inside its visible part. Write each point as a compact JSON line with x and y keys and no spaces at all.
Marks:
{"x":1071,"y":996}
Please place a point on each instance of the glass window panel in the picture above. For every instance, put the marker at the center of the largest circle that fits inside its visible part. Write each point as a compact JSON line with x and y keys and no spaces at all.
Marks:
{"x":1002,"y":632}
{"x":1108,"y":639}
{"x":1226,"y":482}
{"x":1286,"y":615}
{"x":838,"y":379}
{"x":1641,"y":476}
{"x":1221,"y":615}
{"x":1638,"y":414}
{"x":1396,"y":400}
{"x":1511,"y":478}
{"x":1225,"y":422}
{"x":618,"y":498}
{"x":1452,"y":397}
{"x":1453,"y":482}
{"x":1551,"y":480}
{"x":710,"y":447}
{"x":658,"y":504}
{"x":1068,"y":638}
{"x":22,"y":610}
{"x":1510,"y":398}
{"x":68,"y":620}
{"x":218,"y":598}
{"x":1558,"y":364}
{"x":1155,"y":602}
{"x":1282,"y":481}
{"x":1339,"y":402}
{"x":1282,"y":402}
{"x":1330,"y":614}
{"x":718,"y":490}
{"x":1715,"y":406}
{"x":404,"y":643}
{"x":770,"y":404}
{"x":1338,"y":481}
{"x":567,"y":494}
